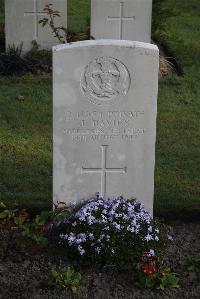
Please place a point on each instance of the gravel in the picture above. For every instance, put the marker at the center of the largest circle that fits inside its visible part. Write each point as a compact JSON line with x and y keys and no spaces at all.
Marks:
{"x":28,"y":277}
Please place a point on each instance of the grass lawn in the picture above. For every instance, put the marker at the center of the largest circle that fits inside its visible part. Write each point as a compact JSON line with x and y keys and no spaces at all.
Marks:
{"x":177,"y":176}
{"x":25,"y":126}
{"x":25,"y":141}
{"x":78,"y":15}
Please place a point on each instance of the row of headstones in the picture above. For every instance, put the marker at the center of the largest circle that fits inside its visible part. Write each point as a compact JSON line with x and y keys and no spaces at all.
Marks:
{"x":110,"y":19}
{"x":105,"y":100}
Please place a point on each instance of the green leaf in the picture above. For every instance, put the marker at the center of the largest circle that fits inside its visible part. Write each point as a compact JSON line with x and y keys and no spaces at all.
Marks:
{"x":2,"y":205}
{"x":74,"y":289}
{"x":5,"y":214}
{"x":54,"y":273}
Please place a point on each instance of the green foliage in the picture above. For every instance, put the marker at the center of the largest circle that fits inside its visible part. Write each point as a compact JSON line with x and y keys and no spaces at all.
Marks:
{"x":66,"y":278}
{"x":20,"y":230}
{"x":60,"y":32}
{"x":36,"y":61}
{"x":25,"y":232}
{"x":180,"y":33}
{"x":33,"y":232}
{"x":150,"y":273}
{"x":161,"y":11}
{"x":10,"y":235}
{"x":40,"y":60}
{"x":169,"y":280}
{"x":11,"y":62}
{"x":192,"y":264}
{"x":60,"y":214}
{"x":13,"y":214}
{"x":107,"y":232}
{"x":78,"y":15}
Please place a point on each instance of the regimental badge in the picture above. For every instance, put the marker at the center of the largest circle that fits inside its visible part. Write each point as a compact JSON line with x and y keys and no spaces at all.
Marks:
{"x":104,"y":79}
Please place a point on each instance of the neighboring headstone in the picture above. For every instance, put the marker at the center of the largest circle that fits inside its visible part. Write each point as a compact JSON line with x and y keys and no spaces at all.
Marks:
{"x":21,"y":22}
{"x":105,"y":100}
{"x":124,"y":20}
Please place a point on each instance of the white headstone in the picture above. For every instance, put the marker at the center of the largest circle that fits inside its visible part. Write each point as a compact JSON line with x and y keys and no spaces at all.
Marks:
{"x":121,"y":19}
{"x":105,"y":103}
{"x":21,"y":22}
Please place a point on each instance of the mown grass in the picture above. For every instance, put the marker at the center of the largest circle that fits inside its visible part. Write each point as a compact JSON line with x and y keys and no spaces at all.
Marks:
{"x":177,"y":184}
{"x":177,"y":179}
{"x":25,"y":132}
{"x":78,"y":15}
{"x":25,"y":141}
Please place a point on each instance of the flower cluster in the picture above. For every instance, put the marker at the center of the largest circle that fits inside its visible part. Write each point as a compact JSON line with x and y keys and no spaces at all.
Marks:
{"x":148,"y":262}
{"x":109,"y":229}
{"x":151,"y":272}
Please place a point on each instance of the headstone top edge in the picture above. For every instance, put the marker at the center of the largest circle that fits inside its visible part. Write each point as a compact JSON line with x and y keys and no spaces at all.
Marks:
{"x":106,"y":42}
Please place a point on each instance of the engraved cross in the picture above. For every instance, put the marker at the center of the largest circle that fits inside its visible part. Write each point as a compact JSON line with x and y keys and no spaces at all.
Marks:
{"x":121,"y":19}
{"x":104,"y":170}
{"x":35,"y":14}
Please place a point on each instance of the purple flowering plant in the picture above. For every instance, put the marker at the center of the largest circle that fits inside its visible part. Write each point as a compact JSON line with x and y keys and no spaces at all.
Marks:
{"x":108,"y":231}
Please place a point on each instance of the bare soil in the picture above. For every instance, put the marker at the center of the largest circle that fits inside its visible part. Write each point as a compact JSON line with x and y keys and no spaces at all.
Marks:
{"x":27,"y":277}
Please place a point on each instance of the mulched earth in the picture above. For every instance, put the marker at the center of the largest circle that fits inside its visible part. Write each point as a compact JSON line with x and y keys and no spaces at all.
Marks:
{"x":28,"y":277}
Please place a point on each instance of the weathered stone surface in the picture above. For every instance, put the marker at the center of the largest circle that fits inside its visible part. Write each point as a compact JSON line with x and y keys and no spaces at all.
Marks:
{"x":21,"y":22}
{"x":105,"y":100}
{"x":121,"y":19}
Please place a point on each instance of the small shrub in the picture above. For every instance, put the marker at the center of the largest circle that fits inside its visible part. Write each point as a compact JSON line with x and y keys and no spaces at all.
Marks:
{"x":19,"y":232}
{"x":40,"y":60}
{"x":66,"y":278}
{"x":61,"y":32}
{"x":36,"y":61}
{"x":32,"y":233}
{"x":11,"y":61}
{"x":10,"y":236}
{"x":108,"y":231}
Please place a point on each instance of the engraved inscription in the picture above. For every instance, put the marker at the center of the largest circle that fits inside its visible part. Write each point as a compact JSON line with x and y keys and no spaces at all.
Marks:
{"x":104,"y":79}
{"x":103,"y":170}
{"x":86,"y":126}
